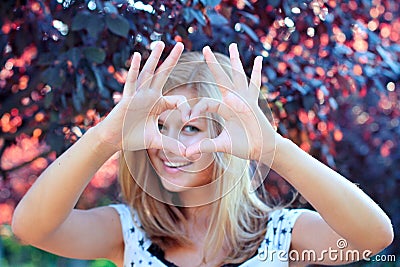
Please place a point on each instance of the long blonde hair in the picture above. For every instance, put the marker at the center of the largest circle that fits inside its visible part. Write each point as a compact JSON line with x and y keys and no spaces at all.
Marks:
{"x":238,"y":217}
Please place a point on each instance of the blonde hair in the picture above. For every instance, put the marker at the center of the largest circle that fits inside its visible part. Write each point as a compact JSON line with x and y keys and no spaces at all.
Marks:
{"x":238,"y":217}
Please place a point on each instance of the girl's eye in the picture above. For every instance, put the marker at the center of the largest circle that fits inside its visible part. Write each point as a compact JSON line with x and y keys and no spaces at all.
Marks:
{"x":160,"y":127}
{"x":190,"y":129}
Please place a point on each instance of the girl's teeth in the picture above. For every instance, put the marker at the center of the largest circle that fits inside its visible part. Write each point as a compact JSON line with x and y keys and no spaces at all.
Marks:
{"x":175,"y":165}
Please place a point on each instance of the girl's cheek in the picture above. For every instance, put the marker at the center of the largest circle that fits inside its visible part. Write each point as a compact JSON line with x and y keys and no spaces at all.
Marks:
{"x":152,"y":152}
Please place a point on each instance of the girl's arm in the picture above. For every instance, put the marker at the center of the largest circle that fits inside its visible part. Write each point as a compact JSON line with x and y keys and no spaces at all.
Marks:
{"x":345,"y":211}
{"x":45,"y":216}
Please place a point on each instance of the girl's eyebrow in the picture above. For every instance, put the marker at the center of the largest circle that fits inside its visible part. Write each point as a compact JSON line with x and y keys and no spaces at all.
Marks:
{"x":197,"y":120}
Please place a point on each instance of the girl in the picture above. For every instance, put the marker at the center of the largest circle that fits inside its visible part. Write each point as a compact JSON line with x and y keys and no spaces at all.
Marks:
{"x":186,"y":141}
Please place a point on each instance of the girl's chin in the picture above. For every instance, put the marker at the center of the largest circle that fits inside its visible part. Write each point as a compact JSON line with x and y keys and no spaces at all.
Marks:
{"x":173,"y":186}
{"x":180,"y":183}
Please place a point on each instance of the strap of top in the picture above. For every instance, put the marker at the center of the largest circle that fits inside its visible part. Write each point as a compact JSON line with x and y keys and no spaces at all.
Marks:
{"x":132,"y":233}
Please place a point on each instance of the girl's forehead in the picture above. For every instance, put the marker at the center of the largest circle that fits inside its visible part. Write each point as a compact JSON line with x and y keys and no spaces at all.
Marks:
{"x":187,"y":91}
{"x":174,"y":116}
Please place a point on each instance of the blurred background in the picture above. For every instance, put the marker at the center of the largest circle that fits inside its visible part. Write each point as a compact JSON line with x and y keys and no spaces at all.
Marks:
{"x":331,"y":76}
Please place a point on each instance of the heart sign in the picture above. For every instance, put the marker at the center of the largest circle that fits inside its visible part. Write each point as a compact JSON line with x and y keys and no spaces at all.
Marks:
{"x":191,"y":113}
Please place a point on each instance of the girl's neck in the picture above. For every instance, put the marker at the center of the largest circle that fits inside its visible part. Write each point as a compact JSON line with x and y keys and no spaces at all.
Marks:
{"x":199,"y":196}
{"x":200,"y":213}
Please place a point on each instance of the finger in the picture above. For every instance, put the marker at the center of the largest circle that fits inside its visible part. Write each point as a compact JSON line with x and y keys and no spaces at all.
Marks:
{"x":204,"y":105}
{"x":255,"y":80}
{"x":220,"y":76}
{"x":193,"y":157}
{"x":149,"y":67}
{"x":166,"y":68}
{"x":174,"y":102}
{"x":169,"y":144}
{"x":238,"y":75}
{"x":209,"y":145}
{"x":131,"y":79}
{"x":205,"y":145}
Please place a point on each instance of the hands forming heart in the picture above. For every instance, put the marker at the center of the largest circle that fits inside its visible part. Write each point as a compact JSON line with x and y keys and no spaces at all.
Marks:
{"x":246,"y":132}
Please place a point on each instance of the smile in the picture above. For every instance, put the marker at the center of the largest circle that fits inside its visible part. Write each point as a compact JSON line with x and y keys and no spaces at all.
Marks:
{"x":176,"y":164}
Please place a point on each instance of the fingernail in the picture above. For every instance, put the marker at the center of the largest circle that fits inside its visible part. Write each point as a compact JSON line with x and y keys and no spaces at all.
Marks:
{"x":156,"y":44}
{"x":236,"y":50}
{"x":182,"y":149}
{"x":135,"y":54}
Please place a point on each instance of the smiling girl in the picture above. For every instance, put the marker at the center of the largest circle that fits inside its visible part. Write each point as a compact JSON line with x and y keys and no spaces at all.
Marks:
{"x":187,"y":132}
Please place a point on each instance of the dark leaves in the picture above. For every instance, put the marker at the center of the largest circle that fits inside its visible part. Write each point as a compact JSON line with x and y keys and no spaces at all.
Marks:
{"x":210,"y":3}
{"x":250,"y":32}
{"x":74,"y":55}
{"x":94,"y":54}
{"x":274,"y":3}
{"x":217,"y":19}
{"x":117,"y":25}
{"x":80,"y":21}
{"x":54,"y":76}
{"x":92,"y":23}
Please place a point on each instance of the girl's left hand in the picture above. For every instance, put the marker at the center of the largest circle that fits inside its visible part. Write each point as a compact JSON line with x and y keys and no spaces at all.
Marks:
{"x":247,"y":133}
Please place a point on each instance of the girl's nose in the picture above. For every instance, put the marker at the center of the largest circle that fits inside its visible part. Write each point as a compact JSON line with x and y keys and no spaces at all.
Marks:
{"x":172,"y":132}
{"x":175,"y":132}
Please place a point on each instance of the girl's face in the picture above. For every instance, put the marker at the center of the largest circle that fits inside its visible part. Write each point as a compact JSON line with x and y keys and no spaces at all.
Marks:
{"x":177,"y":173}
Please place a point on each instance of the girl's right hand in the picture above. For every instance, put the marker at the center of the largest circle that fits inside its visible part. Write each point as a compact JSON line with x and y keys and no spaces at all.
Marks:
{"x":133,"y":123}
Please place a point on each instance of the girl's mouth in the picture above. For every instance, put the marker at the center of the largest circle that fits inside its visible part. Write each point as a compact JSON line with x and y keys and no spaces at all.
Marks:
{"x":174,"y":167}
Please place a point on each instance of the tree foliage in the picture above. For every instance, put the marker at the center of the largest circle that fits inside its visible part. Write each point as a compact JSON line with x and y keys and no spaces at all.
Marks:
{"x":331,"y":75}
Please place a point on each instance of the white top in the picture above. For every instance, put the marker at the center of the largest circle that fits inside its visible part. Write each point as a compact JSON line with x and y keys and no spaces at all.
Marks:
{"x":273,"y":250}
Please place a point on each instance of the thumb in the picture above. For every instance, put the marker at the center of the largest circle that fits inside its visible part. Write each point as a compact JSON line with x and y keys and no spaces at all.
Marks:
{"x":169,"y":144}
{"x":205,"y":145}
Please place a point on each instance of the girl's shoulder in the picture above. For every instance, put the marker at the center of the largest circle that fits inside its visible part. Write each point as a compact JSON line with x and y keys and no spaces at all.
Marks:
{"x":131,"y":226}
{"x":284,"y":216}
{"x":138,"y":246}
{"x":128,"y":215}
{"x":280,"y":227}
{"x":123,"y":210}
